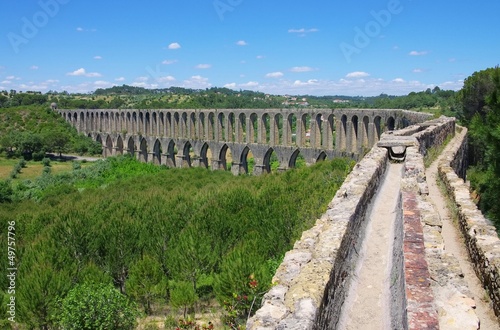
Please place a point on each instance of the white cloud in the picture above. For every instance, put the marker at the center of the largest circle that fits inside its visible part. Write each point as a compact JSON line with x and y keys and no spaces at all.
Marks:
{"x":165,"y":79}
{"x":417,"y":70}
{"x":305,"y":83}
{"x":418,"y":53}
{"x":103,"y":84}
{"x":230,"y":85}
{"x":168,"y":62}
{"x":275,"y":75}
{"x":6,"y":82}
{"x":143,"y":78}
{"x":12,"y":78}
{"x":399,"y":80}
{"x":80,"y":29}
{"x":83,"y":73}
{"x":301,"y":69}
{"x":250,"y":84}
{"x":302,"y":32}
{"x":120,"y":79}
{"x":260,"y":57}
{"x":357,"y":74}
{"x":197,"y":82}
{"x":97,"y":57}
{"x":242,"y":43}
{"x":174,"y":45}
{"x":34,"y":67}
{"x":203,"y":66}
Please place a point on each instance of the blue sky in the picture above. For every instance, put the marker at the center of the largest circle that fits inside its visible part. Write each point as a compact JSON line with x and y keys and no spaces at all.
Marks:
{"x":315,"y":47}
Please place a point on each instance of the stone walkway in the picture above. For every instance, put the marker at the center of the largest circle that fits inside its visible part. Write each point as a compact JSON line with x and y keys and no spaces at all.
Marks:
{"x":472,"y":313}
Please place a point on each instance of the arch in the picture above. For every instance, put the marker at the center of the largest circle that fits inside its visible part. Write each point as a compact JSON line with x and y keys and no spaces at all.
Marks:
{"x":119,"y":145}
{"x":168,"y":125}
{"x":157,"y":152}
{"x":230,"y":127}
{"x":98,"y":139}
{"x":171,"y":153}
{"x":268,"y":160}
{"x":292,"y":162}
{"x":377,"y":127}
{"x":134,"y":123}
{"x":192,"y":127}
{"x":154,"y":124}
{"x":321,"y":157}
{"x":316,"y":131}
{"x":161,"y":131}
{"x":364,"y":135}
{"x":220,"y":127}
{"x":106,"y":125}
{"x":329,"y":133}
{"x":290,"y":133}
{"x":211,"y":126}
{"x":391,"y":123}
{"x":108,"y":151}
{"x":186,"y":154}
{"x":223,"y":157}
{"x":143,"y":151}
{"x":205,"y":156}
{"x":244,"y":160}
{"x":201,"y":126}
{"x":264,"y":129}
{"x":305,"y":131}
{"x":175,"y":125}
{"x":131,"y":147}
{"x":354,"y":133}
{"x":252,"y":129}
{"x":82,"y":122}
{"x":184,"y":126}
{"x":277,"y":130}
{"x":241,"y":128}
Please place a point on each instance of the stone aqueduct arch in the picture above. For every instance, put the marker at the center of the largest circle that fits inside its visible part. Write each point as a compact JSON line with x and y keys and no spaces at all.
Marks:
{"x":183,"y":138}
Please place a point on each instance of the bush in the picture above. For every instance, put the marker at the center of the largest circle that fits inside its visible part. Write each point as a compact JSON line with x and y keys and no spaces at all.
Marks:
{"x":38,"y":156}
{"x":77,"y":166}
{"x":5,"y":191}
{"x":91,"y":306}
{"x":46,"y":162}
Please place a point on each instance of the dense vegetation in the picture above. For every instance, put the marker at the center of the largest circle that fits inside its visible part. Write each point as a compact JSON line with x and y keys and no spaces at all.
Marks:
{"x":158,"y":236}
{"x":479,"y":109}
{"x":32,"y":130}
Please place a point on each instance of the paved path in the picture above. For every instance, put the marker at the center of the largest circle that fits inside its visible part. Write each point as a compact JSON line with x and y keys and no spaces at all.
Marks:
{"x":455,"y":245}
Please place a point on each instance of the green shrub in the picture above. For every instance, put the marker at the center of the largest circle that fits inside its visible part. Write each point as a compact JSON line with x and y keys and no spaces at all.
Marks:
{"x":46,"y":162}
{"x":90,"y":306}
{"x":77,"y":165}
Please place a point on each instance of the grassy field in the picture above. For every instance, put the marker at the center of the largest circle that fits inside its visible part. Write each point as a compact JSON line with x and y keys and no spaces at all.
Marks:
{"x":33,"y":169}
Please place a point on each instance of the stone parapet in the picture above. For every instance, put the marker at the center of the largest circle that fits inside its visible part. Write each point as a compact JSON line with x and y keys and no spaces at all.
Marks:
{"x":481,"y":238}
{"x":314,"y":278}
{"x":325,"y":255}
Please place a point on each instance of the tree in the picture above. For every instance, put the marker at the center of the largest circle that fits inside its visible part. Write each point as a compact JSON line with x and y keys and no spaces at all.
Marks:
{"x":57,"y":140}
{"x":146,"y":282}
{"x":97,"y":306}
{"x":472,"y":97}
{"x":182,"y":295}
{"x":485,"y":130}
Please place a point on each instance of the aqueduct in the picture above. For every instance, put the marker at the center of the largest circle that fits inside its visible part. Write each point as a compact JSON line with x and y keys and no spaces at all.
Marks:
{"x":212,"y":137}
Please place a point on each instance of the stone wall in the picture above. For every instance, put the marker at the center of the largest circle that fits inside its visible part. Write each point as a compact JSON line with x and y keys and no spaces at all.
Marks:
{"x":314,"y":278}
{"x":481,"y":238}
{"x":324,"y":256}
